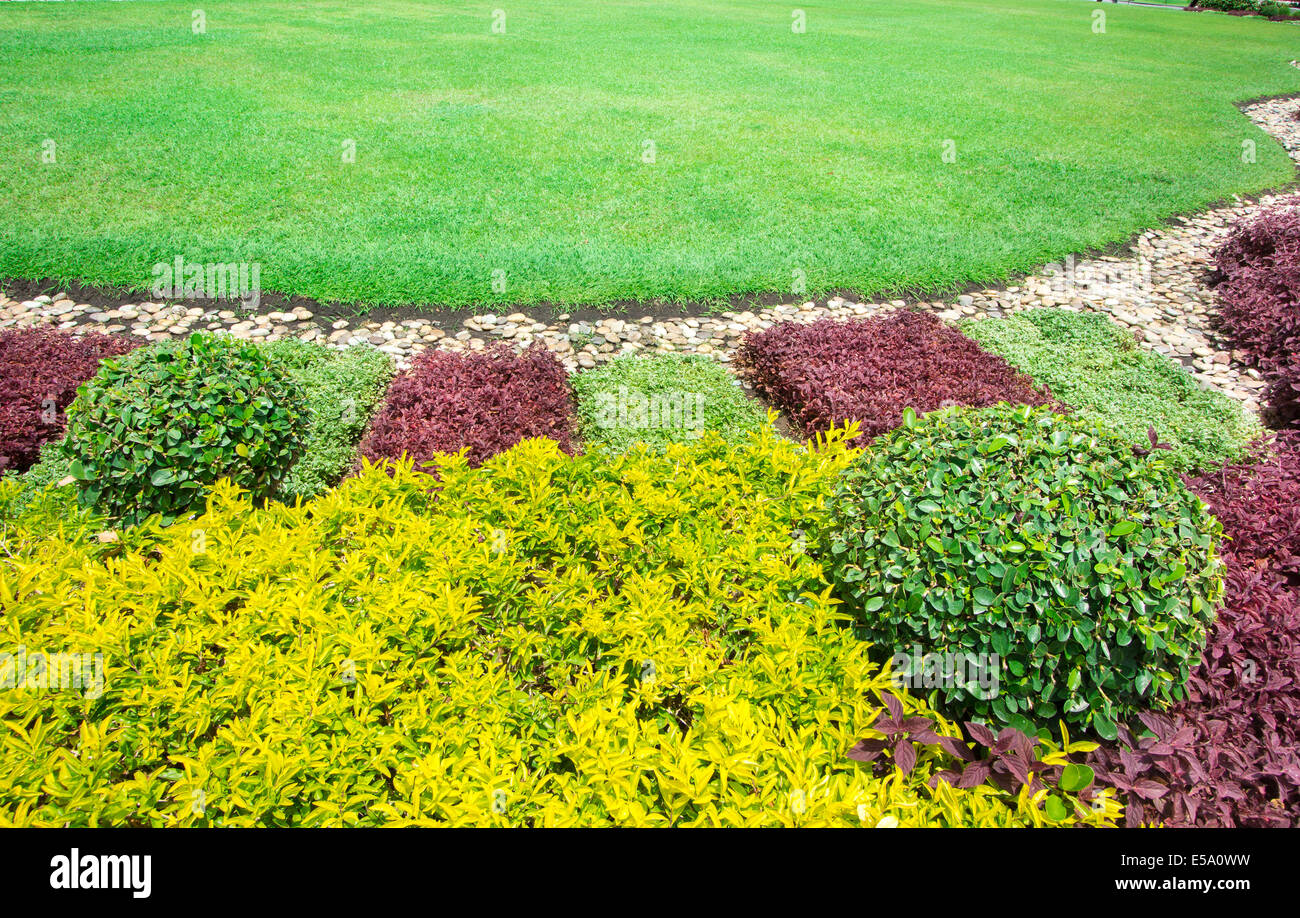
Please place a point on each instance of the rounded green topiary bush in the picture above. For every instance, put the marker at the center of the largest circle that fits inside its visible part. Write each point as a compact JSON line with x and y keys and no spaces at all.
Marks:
{"x":155,"y":428}
{"x":1043,"y":549}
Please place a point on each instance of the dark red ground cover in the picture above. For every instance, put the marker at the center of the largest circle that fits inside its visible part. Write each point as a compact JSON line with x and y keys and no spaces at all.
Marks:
{"x":871,"y":370}
{"x":40,"y":370}
{"x":1258,"y":286}
{"x":1258,"y":502}
{"x":1230,"y":754}
{"x":487,"y":401}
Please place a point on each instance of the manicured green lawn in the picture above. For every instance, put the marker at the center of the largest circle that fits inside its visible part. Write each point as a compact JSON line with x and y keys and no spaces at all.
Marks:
{"x":523,"y":152}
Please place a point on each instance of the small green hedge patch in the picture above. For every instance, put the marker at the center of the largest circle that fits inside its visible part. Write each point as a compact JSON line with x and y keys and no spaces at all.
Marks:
{"x":38,"y":498}
{"x":1099,"y":370}
{"x":154,"y":429}
{"x":341,"y":389}
{"x":1090,"y":571}
{"x":671,"y":398}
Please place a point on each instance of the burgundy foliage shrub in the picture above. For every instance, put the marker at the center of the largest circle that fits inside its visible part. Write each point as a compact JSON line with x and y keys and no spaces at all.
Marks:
{"x":1230,"y":754}
{"x":1008,"y":759}
{"x":1258,"y":284}
{"x":1283,"y":393}
{"x":1258,"y":502}
{"x":487,"y":401}
{"x":870,"y":370}
{"x":40,"y":370}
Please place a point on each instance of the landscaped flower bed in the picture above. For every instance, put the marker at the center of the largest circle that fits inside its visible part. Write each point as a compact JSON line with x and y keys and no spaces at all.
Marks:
{"x":1099,"y":371}
{"x":871,"y":370}
{"x":484,"y":402}
{"x":541,"y":640}
{"x":40,"y":370}
{"x":521,"y":636}
{"x":638,"y":543}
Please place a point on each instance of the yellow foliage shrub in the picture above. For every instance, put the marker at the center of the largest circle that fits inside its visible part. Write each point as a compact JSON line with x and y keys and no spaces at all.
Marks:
{"x":541,"y":641}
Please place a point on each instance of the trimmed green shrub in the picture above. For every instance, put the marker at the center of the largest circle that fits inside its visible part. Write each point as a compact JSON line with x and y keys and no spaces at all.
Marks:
{"x":1226,"y":5}
{"x":659,"y":400}
{"x":155,"y":428}
{"x":1100,"y":371}
{"x":1090,"y":571}
{"x":341,"y":389}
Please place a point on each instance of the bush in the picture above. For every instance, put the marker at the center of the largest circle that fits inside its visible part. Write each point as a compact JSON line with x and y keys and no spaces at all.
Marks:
{"x":1258,"y":287}
{"x":1100,"y":371}
{"x":341,"y":389}
{"x":1258,"y":504}
{"x":1230,"y":754}
{"x":485,"y":402}
{"x":1089,"y":571}
{"x":1272,"y":9}
{"x":659,"y":400}
{"x":1227,"y":6}
{"x":40,"y":370}
{"x":870,"y":370}
{"x":155,"y":429}
{"x":539,"y":641}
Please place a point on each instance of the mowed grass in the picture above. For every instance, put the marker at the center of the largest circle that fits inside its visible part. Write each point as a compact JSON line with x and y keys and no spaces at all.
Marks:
{"x":780,"y":158}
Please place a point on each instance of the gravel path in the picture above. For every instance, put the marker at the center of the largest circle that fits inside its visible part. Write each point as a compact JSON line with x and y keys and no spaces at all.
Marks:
{"x":1156,"y":288}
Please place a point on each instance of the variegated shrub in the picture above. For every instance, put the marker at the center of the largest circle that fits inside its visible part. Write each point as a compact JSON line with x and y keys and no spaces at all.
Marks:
{"x":539,"y":641}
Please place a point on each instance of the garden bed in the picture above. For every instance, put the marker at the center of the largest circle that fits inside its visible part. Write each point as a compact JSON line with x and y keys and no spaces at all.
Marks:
{"x":705,"y":599}
{"x":1023,"y":558}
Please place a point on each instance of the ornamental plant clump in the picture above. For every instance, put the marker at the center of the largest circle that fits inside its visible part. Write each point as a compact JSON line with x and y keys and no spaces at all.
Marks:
{"x":870,"y":370}
{"x":155,"y":429}
{"x":1089,"y":571}
{"x":1230,"y":754}
{"x":669,"y":398}
{"x":1258,"y":503}
{"x":40,"y":370}
{"x":1010,"y":758}
{"x":1101,"y":372}
{"x":42,"y":497}
{"x":611,"y":639}
{"x":1258,"y":288}
{"x":341,"y":389}
{"x":485,"y":402}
